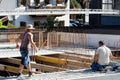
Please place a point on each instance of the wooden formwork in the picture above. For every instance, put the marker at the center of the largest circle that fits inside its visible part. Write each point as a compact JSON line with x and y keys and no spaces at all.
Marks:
{"x":38,"y":38}
{"x":10,"y":37}
{"x":53,"y":39}
{"x":63,"y":62}
{"x":63,"y":38}
{"x":67,"y":64}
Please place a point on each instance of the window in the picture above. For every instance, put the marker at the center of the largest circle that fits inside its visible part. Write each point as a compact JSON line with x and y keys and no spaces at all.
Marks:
{"x":116,"y":4}
{"x":107,"y":4}
{"x":59,"y":1}
{"x":22,"y":2}
{"x":46,"y":2}
{"x":22,"y":24}
{"x":36,"y":24}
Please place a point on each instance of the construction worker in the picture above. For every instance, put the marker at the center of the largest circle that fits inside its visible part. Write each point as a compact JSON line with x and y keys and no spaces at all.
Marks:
{"x":102,"y":57}
{"x":26,"y":42}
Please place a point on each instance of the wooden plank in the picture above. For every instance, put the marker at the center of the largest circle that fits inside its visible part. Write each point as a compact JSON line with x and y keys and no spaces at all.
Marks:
{"x":12,"y":69}
{"x":2,"y":67}
{"x":48,"y":40}
{"x":35,"y":65}
{"x":79,"y":64}
{"x":75,"y":57}
{"x":51,"y":59}
{"x":66,"y":62}
{"x":73,"y":53}
{"x":4,"y":19}
{"x":40,"y":42}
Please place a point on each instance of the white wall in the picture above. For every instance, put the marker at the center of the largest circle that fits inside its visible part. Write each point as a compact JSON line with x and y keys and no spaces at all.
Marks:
{"x":24,"y":18}
{"x":91,"y":39}
{"x":28,"y":20}
{"x":106,"y":6}
{"x":8,"y":5}
{"x":110,"y":40}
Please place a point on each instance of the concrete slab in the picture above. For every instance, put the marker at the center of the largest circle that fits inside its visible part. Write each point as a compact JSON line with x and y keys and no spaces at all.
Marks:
{"x":75,"y":49}
{"x":10,"y":50}
{"x":75,"y":75}
{"x":6,"y":53}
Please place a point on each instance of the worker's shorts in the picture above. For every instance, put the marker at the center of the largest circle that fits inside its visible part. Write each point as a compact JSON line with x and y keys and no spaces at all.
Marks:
{"x":97,"y":67}
{"x":25,"y":57}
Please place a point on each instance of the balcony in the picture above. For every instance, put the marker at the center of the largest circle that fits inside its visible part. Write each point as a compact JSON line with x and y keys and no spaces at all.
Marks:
{"x":48,"y":5}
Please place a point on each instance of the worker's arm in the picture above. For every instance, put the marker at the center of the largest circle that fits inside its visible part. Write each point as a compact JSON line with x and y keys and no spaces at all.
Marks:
{"x":30,"y":37}
{"x":17,"y":41}
{"x":111,"y":56}
{"x":96,"y":56}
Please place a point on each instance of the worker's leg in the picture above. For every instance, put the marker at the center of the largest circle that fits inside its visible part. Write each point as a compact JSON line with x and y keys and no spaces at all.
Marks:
{"x":21,"y":67}
{"x":29,"y":69}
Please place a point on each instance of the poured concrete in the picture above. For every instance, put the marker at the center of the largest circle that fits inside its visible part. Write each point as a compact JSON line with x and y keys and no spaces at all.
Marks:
{"x":6,"y":53}
{"x":74,"y":75}
{"x":10,"y":50}
{"x":78,"y":75}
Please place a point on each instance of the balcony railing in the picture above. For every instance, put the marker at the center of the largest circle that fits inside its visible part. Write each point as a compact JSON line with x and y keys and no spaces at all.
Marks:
{"x":58,"y":11}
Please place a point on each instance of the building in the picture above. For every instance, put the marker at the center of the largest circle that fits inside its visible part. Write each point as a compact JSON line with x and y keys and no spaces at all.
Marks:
{"x":110,"y":19}
{"x":36,"y":20}
{"x":64,"y":19}
{"x":95,"y":19}
{"x":105,"y":19}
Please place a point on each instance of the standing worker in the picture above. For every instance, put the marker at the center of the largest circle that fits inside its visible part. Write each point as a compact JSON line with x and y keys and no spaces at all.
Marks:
{"x":26,"y":42}
{"x":102,"y":57}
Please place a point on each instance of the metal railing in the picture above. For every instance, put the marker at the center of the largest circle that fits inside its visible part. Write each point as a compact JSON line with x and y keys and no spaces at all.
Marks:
{"x":58,"y":11}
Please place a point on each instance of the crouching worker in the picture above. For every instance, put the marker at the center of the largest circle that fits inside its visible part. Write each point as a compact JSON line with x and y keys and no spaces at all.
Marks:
{"x":101,"y":58}
{"x":26,"y":42}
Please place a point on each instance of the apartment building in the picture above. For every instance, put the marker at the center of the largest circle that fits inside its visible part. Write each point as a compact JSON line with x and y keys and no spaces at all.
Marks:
{"x":36,"y":20}
{"x":64,"y":19}
{"x":104,"y":19}
{"x":110,"y":19}
{"x":40,"y":20}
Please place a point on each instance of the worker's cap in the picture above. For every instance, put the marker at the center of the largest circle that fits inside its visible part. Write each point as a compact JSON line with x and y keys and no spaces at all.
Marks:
{"x":30,"y":26}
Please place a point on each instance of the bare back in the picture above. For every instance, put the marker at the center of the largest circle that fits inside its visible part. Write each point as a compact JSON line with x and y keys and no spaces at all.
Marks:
{"x":24,"y":41}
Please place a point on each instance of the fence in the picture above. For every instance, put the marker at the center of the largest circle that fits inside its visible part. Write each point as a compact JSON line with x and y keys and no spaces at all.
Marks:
{"x":50,"y":39}
{"x":10,"y":37}
{"x":66,"y":39}
{"x":76,"y":42}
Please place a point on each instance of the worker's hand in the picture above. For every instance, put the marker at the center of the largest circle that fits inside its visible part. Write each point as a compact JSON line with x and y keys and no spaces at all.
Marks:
{"x":17,"y":46}
{"x":36,"y":49}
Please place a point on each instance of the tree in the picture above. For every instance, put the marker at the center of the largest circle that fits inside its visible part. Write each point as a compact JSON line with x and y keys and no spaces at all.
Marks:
{"x":50,"y":21}
{"x":74,"y":4}
{"x":11,"y":25}
{"x":37,"y":2}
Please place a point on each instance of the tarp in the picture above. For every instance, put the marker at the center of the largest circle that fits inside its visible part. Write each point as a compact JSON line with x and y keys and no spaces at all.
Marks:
{"x":2,"y":26}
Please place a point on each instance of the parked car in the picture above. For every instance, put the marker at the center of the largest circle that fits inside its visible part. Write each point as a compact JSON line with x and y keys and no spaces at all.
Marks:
{"x":76,"y":22}
{"x":73,"y":25}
